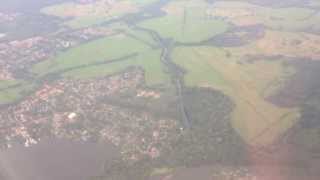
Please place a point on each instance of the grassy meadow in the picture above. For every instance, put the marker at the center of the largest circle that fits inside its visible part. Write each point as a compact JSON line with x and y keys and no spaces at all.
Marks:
{"x":149,"y":61}
{"x":104,"y":49}
{"x":246,"y":84}
{"x":9,"y":93}
{"x":186,"y":22}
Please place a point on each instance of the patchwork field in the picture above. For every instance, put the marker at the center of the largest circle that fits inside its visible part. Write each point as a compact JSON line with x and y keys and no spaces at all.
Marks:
{"x":248,"y":83}
{"x":248,"y":72}
{"x":87,"y":14}
{"x":224,"y":86}
{"x":287,"y":44}
{"x":207,"y":89}
{"x":257,"y":120}
{"x":243,"y":13}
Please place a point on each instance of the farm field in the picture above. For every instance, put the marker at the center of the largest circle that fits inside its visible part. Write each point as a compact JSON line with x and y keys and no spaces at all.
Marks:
{"x":243,"y":14}
{"x":246,"y":84}
{"x":186,"y":22}
{"x":221,"y":68}
{"x":149,"y":61}
{"x":225,"y":89}
{"x":85,"y":15}
{"x":226,"y":69}
{"x":285,"y":44}
{"x":104,"y":49}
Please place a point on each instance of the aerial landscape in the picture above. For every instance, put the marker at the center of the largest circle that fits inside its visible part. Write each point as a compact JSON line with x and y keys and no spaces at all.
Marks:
{"x":159,"y":90}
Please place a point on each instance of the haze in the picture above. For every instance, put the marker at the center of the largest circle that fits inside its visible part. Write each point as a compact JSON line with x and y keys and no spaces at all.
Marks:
{"x":159,"y":90}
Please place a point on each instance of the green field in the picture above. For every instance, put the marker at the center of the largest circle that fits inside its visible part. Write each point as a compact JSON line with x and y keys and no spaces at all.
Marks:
{"x":103,"y":49}
{"x":139,"y":35}
{"x":245,"y":84}
{"x":188,"y":24}
{"x":6,"y":83}
{"x":129,"y":42}
{"x":14,"y":93}
{"x":149,"y":61}
{"x":83,"y":22}
{"x":203,"y":74}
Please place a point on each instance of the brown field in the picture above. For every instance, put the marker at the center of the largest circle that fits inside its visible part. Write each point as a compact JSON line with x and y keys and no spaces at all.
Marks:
{"x":85,"y":15}
{"x":286,"y":44}
{"x":99,"y":8}
{"x":244,"y":14}
{"x":290,"y":44}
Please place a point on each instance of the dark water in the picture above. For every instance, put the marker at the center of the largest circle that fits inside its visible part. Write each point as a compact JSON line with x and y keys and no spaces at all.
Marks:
{"x":55,"y":159}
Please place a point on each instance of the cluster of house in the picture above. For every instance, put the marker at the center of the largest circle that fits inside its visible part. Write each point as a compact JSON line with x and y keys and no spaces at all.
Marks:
{"x":76,"y":109}
{"x":20,"y":54}
{"x":48,"y":91}
{"x":144,"y":135}
{"x":73,"y":109}
{"x":148,"y":94}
